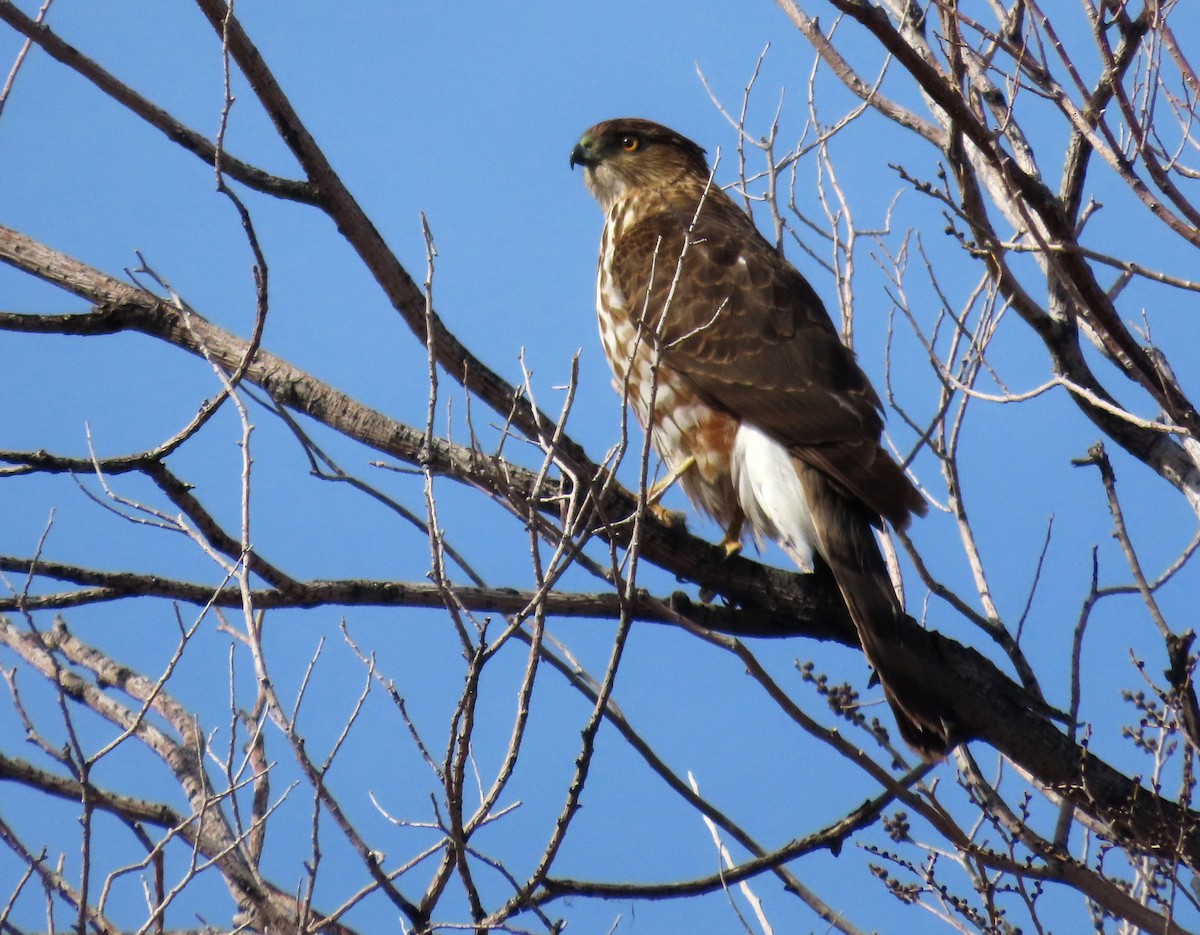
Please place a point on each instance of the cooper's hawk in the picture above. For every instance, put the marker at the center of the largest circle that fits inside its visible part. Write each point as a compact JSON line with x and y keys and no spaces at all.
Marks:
{"x":727,"y":354}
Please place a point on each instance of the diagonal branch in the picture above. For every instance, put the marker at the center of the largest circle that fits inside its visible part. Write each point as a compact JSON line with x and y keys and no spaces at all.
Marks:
{"x":185,"y":136}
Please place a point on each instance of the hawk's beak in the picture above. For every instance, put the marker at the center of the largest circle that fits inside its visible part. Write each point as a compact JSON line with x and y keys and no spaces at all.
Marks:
{"x":581,"y":155}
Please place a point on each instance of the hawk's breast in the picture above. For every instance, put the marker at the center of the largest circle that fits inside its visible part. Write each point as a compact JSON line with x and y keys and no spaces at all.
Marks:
{"x":681,"y":423}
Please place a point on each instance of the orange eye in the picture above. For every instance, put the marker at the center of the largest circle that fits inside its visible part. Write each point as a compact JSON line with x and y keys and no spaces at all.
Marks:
{"x":630,"y":144}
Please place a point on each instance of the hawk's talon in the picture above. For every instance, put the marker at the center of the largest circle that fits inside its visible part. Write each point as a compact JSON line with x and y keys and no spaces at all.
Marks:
{"x":731,"y":542}
{"x":673,"y":519}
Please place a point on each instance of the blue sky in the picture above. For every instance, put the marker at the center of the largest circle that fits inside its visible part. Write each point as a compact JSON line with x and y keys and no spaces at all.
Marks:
{"x":467,"y":113}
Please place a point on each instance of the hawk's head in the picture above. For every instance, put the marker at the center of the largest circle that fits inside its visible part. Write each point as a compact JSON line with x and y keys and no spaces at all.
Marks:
{"x":629,"y":153}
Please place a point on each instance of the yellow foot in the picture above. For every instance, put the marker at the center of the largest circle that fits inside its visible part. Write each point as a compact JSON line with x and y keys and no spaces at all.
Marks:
{"x":731,"y":542}
{"x":655,"y":493}
{"x":676,"y":519}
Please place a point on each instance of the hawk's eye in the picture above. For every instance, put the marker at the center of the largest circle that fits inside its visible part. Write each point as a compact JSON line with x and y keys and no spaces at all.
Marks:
{"x":630,"y":144}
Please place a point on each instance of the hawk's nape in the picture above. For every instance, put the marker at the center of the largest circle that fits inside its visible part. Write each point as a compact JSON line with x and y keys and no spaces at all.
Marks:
{"x":730,"y":360}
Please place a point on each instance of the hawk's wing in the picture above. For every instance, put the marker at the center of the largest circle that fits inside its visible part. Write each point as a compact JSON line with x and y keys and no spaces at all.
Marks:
{"x":750,"y":332}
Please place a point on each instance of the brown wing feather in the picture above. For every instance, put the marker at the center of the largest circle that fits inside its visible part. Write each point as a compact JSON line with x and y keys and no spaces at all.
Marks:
{"x":753,"y":336}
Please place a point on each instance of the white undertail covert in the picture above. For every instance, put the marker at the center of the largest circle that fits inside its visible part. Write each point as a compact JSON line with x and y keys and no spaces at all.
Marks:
{"x":771,"y":495}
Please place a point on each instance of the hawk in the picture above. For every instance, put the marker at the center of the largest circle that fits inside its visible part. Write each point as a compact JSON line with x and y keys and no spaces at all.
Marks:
{"x":731,"y":362}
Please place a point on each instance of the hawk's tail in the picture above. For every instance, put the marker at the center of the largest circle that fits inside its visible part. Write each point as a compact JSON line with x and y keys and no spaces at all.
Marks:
{"x":908,"y":673}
